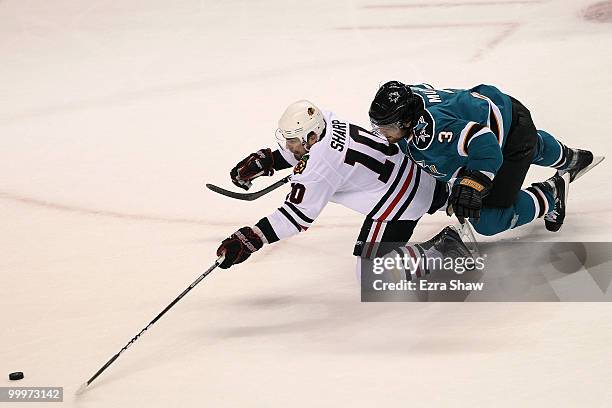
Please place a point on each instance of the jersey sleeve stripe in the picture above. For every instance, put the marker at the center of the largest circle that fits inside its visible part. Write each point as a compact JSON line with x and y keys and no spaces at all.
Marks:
{"x":490,"y":175}
{"x":496,"y":122}
{"x":373,"y":243}
{"x":496,"y":117}
{"x":291,"y":219}
{"x":494,"y":125}
{"x":469,"y":138}
{"x":468,"y":132}
{"x":300,"y":214}
{"x":266,"y":228}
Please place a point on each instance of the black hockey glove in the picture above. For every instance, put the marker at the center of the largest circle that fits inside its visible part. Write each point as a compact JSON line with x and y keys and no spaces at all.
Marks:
{"x":238,"y":247}
{"x":260,"y":163}
{"x":467,"y":194}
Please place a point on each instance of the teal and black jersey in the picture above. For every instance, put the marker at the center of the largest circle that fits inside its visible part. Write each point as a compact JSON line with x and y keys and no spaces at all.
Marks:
{"x":459,"y":128}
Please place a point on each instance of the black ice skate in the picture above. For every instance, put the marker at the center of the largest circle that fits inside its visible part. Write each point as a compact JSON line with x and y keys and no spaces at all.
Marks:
{"x":558,"y":187}
{"x":449,"y":243}
{"x":580,"y":162}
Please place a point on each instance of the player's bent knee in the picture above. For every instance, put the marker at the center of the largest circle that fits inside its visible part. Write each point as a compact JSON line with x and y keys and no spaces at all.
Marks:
{"x":487,"y":228}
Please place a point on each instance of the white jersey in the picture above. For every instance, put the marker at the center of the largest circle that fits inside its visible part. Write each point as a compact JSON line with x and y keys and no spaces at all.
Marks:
{"x":357,"y":169}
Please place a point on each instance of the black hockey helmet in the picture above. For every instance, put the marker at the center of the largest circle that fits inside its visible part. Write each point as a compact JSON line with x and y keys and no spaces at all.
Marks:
{"x":394,"y":103}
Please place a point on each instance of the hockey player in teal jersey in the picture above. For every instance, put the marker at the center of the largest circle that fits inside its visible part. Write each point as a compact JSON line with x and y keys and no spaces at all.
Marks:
{"x":482,"y":142}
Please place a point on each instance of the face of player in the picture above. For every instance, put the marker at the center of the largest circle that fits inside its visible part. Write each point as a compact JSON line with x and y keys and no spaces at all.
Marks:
{"x":394,"y":133}
{"x":298,"y":149}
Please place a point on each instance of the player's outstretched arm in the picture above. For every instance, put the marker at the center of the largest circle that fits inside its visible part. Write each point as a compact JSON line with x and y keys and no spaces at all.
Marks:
{"x":313,"y":184}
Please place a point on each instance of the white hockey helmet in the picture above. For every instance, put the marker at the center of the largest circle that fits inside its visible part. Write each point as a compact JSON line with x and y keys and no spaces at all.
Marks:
{"x":299,"y":119}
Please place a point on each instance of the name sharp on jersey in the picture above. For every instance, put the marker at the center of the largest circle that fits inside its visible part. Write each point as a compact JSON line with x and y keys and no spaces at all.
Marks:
{"x":357,"y":169}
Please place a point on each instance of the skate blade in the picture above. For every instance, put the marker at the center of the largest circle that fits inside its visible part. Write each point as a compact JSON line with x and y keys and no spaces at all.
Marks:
{"x":566,"y":177}
{"x":596,"y":161}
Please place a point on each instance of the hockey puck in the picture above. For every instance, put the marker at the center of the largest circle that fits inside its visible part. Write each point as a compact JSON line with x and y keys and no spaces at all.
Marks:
{"x":16,"y":376}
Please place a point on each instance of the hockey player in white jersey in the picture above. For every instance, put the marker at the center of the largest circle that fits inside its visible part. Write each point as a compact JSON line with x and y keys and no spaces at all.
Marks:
{"x":338,"y":161}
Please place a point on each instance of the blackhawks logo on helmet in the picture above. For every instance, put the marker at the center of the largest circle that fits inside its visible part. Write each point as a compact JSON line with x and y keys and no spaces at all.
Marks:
{"x":299,"y":168}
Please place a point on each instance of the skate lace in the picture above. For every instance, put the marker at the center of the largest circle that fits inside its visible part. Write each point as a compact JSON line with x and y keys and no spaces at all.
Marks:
{"x":551,"y":216}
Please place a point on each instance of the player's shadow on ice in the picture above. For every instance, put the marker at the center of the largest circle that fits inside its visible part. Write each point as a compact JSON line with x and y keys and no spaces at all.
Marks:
{"x":274,"y":315}
{"x":349,"y":327}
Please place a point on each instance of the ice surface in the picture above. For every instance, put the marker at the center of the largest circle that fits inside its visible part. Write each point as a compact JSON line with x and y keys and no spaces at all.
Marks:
{"x":115,"y":114}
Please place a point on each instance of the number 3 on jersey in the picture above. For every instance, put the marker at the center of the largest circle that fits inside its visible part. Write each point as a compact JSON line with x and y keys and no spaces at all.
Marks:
{"x":374,"y":149}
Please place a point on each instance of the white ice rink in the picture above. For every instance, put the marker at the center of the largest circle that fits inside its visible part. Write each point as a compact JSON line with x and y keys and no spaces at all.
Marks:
{"x":115,"y":113}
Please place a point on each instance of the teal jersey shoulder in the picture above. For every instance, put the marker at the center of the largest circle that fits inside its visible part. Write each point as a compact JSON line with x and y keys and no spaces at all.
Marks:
{"x":460,"y":128}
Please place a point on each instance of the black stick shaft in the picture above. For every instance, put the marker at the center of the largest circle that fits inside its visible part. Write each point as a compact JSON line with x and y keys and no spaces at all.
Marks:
{"x":175,"y":301}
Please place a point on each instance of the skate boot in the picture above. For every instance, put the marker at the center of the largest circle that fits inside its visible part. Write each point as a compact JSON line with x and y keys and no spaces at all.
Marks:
{"x":558,"y":187}
{"x":579,"y":162}
{"x":448,"y":242}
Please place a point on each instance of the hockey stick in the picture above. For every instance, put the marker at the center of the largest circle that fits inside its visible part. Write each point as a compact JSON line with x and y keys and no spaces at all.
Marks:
{"x":84,"y":386}
{"x":465,"y":231}
{"x":248,"y":196}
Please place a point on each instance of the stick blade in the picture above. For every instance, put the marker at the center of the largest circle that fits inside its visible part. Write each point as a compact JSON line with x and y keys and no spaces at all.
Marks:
{"x":469,"y":238}
{"x":232,"y":194}
{"x":81,"y":389}
{"x":248,"y":196}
